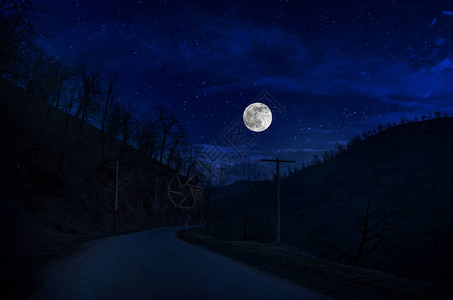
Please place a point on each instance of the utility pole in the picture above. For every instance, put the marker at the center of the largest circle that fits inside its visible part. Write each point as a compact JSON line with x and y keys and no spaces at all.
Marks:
{"x":278,"y":161}
{"x":155,"y":194}
{"x":116,"y":195}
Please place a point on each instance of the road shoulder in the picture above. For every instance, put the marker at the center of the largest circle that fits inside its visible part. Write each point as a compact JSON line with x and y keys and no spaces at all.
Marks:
{"x":332,"y":279}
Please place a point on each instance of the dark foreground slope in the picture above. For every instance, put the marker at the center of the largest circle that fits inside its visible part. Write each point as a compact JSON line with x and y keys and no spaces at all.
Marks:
{"x":333,"y":279}
{"x":405,"y":174}
{"x":56,"y":190}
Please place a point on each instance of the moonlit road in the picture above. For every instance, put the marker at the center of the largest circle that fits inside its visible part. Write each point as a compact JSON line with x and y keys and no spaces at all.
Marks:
{"x":155,"y":264}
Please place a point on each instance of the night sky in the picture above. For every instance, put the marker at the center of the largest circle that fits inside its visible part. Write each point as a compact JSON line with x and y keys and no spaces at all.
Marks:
{"x":335,"y":67}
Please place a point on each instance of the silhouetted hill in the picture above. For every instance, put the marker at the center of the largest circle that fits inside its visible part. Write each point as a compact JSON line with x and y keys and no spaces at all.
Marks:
{"x":56,"y":189}
{"x":404,"y":173}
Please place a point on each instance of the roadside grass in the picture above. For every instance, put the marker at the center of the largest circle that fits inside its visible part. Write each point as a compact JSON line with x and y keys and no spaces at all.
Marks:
{"x":332,"y":279}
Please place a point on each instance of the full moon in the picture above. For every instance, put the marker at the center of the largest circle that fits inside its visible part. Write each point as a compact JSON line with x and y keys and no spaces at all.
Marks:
{"x":257,"y":117}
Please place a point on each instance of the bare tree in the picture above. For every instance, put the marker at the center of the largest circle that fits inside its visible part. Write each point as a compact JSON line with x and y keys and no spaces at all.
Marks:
{"x":90,"y":78}
{"x":110,"y":96}
{"x":437,"y":115}
{"x":29,"y":73}
{"x":167,"y":122}
{"x":373,"y":233}
{"x":31,"y":70}
{"x":316,"y":159}
{"x":90,"y":82}
{"x":328,"y":154}
{"x":126,"y":124}
{"x":355,"y":140}
{"x":248,"y":172}
{"x":207,"y":192}
{"x":210,"y":174}
{"x":72,"y":91}
{"x":59,"y":74}
{"x":339,"y":147}
{"x":68,"y":105}
{"x":123,"y":120}
{"x":177,"y":138}
{"x":191,"y":159}
{"x":17,"y":30}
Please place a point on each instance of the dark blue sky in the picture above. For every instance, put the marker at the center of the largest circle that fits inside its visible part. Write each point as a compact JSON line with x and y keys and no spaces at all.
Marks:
{"x":336,"y":67}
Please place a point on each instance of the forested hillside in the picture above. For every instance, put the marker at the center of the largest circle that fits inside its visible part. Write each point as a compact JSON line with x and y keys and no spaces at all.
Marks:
{"x":64,"y":126}
{"x":57,"y":182}
{"x":385,"y":203}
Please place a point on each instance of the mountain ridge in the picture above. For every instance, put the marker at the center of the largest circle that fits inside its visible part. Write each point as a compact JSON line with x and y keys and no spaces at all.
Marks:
{"x":404,"y":171}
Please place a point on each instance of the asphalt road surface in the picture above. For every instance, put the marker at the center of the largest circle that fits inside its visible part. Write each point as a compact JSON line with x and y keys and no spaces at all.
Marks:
{"x":155,"y":264}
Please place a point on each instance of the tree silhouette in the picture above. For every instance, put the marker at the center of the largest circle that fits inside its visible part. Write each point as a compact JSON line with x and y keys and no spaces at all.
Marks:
{"x":178,"y":136}
{"x":380,"y":128}
{"x":437,"y":114}
{"x":90,"y":78}
{"x":248,"y":173}
{"x":110,"y":97}
{"x":190,"y":159}
{"x":59,"y":74}
{"x":17,"y":30}
{"x":316,"y":159}
{"x":167,"y":122}
{"x":373,"y":232}
{"x":126,"y":120}
{"x":145,"y":137}
{"x":355,"y":140}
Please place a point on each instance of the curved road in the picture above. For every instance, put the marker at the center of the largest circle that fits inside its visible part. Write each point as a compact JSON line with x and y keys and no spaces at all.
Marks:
{"x":155,"y":264}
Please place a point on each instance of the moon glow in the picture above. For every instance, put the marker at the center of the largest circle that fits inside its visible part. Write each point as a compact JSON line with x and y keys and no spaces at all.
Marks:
{"x":257,"y":117}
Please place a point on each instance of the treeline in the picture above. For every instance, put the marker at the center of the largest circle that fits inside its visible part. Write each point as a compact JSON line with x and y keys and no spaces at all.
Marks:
{"x":87,"y":92}
{"x":353,"y":141}
{"x":339,"y":148}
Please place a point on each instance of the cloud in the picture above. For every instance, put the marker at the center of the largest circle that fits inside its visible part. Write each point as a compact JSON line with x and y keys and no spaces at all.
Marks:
{"x":445,"y":64}
{"x":240,"y":54}
{"x":447,"y":13}
{"x":177,"y":55}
